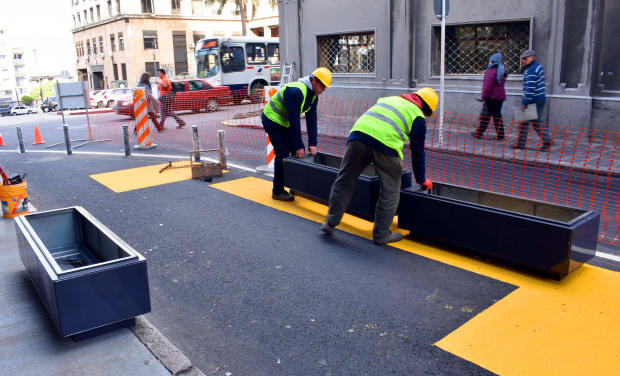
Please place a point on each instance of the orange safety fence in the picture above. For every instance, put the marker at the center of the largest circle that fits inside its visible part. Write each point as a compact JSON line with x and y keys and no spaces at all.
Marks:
{"x":582,"y":169}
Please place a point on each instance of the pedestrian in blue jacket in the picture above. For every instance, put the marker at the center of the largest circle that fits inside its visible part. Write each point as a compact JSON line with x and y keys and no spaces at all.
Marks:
{"x":533,"y":95}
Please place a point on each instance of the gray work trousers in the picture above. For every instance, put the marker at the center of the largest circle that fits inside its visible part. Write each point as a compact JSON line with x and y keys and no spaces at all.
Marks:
{"x":357,"y":156}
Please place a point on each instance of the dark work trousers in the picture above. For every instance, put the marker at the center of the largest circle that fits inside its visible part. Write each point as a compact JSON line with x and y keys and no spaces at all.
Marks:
{"x":166,"y":101}
{"x":283,"y":147}
{"x":538,"y":125}
{"x":494,"y":106}
{"x":357,"y":156}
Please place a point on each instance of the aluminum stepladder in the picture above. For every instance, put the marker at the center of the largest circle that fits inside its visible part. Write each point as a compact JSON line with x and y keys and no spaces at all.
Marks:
{"x":287,"y":73}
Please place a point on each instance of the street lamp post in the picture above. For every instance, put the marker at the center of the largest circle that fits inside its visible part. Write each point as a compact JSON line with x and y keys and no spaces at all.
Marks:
{"x":38,"y":75}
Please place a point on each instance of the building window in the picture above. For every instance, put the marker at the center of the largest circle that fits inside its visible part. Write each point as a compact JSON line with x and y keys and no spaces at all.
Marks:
{"x":115,"y":70}
{"x":92,"y":16}
{"x":198,"y":35}
{"x":88,"y":47}
{"x":176,"y":6}
{"x":197,"y":7}
{"x":112,"y":42}
{"x":110,"y":7}
{"x":121,"y":42}
{"x":123,"y":72}
{"x":255,"y":53}
{"x":101,"y":45}
{"x":348,"y":53}
{"x":74,"y":23}
{"x":79,"y":20}
{"x":150,"y":39}
{"x":469,"y":47}
{"x":118,"y":7}
{"x":147,"y":6}
{"x":2,"y":56}
{"x":8,"y":92}
{"x":17,"y":56}
{"x":95,"y":46}
{"x":152,"y":68}
{"x":85,"y":16}
{"x":98,"y":13}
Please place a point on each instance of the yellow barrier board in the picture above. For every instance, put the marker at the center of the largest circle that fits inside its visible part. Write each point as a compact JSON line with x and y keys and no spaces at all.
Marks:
{"x":545,"y":327}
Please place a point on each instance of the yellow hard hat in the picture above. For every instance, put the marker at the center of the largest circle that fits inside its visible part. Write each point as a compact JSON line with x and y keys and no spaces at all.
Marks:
{"x":429,"y":96}
{"x":324,"y":75}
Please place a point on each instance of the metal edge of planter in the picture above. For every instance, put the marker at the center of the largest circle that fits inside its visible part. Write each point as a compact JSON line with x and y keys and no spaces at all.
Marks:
{"x":43,"y":249}
{"x":576,"y":254}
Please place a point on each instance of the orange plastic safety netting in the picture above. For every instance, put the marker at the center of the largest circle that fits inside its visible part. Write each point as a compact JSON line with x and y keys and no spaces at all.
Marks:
{"x":581,"y":169}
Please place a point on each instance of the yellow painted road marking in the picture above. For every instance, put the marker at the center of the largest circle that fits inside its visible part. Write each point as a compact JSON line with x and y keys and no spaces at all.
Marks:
{"x":545,"y":327}
{"x":143,"y":177}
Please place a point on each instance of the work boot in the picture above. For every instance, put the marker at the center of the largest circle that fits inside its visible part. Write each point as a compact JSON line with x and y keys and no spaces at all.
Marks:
{"x":393,"y":238}
{"x":326,"y":227}
{"x":283,"y":196}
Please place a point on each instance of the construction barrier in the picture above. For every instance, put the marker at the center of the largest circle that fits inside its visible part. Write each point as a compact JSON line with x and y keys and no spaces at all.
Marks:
{"x":141,"y":118}
{"x":582,"y":168}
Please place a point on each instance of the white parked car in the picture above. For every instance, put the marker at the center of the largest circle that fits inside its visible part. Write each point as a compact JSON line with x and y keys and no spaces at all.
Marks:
{"x":96,"y":98}
{"x":21,"y":110}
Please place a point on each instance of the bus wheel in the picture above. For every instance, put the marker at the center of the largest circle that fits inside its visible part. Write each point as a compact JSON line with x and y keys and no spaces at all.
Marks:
{"x":257,"y":92}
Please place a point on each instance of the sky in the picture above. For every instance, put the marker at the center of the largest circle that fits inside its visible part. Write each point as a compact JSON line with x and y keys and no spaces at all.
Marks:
{"x":41,"y":25}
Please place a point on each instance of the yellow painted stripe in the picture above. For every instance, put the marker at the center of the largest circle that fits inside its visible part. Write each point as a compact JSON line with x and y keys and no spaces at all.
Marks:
{"x":143,"y":177}
{"x":545,"y":327}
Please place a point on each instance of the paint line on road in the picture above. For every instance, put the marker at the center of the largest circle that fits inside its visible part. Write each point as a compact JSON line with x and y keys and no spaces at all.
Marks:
{"x":608,"y":256}
{"x":123,"y":155}
{"x":544,"y":327}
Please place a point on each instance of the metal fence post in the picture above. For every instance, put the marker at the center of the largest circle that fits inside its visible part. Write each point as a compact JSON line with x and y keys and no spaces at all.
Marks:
{"x":65,"y":128}
{"x":126,"y":139}
{"x":22,"y":149}
{"x":196,"y":142}
{"x":221,"y":142}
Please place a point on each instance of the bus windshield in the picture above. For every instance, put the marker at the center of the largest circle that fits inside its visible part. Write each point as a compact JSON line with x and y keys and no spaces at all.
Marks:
{"x":207,"y":63}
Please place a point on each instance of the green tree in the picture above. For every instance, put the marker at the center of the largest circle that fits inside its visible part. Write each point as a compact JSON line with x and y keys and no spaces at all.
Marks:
{"x":48,"y":90}
{"x":26,"y":100}
{"x":243,"y":6}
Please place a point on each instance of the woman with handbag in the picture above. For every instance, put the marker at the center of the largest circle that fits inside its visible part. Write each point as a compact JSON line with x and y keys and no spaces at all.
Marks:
{"x":151,"y":105}
{"x":493,"y":97}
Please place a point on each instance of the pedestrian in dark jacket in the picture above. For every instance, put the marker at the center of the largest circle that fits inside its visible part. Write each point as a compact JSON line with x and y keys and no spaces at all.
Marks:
{"x":493,"y":96}
{"x":145,"y":85}
{"x":533,"y":95}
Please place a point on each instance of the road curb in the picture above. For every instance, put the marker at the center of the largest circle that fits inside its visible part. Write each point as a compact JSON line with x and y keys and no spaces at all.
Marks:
{"x":164,"y":351}
{"x":84,"y":112}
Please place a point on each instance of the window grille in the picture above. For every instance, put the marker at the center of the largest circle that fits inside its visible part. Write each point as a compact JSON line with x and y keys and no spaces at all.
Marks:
{"x":469,"y":47}
{"x":348,"y":53}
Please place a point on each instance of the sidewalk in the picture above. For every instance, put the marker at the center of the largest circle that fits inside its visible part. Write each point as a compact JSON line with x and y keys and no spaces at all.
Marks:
{"x":31,"y":345}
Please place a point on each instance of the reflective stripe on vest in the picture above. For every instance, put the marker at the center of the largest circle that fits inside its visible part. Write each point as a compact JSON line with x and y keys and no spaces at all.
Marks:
{"x":278,"y":114}
{"x":389,"y":122}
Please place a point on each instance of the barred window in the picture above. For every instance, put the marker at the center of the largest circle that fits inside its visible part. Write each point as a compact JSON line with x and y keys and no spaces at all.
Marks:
{"x":348,"y":53}
{"x":470,"y":47}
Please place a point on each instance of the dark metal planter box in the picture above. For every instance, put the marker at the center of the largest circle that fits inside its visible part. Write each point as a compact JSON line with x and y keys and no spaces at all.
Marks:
{"x":312,"y":177}
{"x":548,"y":239}
{"x":90,"y":281}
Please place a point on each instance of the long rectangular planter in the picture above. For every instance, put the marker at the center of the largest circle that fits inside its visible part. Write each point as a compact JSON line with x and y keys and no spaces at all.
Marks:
{"x":312,"y":177}
{"x":548,"y":239}
{"x":90,"y":281}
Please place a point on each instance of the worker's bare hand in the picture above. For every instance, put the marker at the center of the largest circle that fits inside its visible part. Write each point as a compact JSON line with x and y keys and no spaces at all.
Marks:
{"x":524,"y":107}
{"x":299,"y":153}
{"x":312,"y":149}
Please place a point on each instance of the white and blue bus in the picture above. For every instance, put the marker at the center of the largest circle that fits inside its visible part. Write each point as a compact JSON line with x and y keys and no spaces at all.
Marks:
{"x":244,"y":64}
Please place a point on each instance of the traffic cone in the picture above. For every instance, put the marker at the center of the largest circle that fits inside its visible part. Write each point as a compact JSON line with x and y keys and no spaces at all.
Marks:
{"x":37,"y":137}
{"x":1,"y":142}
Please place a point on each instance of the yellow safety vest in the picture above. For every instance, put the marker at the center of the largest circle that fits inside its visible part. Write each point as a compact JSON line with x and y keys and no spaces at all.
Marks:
{"x":275,"y":110}
{"x":389,"y":122}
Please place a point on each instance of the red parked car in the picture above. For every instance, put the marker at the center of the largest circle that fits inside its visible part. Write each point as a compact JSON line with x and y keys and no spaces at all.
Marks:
{"x":191,"y":94}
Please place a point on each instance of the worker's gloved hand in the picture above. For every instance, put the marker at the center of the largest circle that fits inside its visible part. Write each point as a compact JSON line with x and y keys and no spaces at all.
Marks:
{"x":428,"y":184}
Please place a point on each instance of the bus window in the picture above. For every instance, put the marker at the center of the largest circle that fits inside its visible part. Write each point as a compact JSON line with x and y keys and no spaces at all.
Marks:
{"x":232,"y":60}
{"x":273,"y":52}
{"x":208,"y":63}
{"x":255,"y":53}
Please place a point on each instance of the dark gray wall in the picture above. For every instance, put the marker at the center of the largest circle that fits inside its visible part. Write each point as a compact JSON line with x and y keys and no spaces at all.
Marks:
{"x":571,"y":38}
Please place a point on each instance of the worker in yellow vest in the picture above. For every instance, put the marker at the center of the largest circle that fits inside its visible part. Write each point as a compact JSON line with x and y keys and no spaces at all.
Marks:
{"x":281,"y":120}
{"x":378,"y":137}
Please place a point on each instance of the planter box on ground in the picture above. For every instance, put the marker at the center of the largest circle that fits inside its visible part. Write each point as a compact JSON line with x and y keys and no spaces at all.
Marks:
{"x":548,"y":239}
{"x":312,"y":177}
{"x":91,"y":282}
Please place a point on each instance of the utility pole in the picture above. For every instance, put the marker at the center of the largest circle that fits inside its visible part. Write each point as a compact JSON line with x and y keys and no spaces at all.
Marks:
{"x":38,"y":75}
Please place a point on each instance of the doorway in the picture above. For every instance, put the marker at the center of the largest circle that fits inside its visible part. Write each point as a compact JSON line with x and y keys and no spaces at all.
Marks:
{"x":98,"y":82}
{"x":179,"y":43}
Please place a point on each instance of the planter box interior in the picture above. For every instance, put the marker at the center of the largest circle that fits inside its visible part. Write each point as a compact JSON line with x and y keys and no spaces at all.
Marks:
{"x":552,"y":240}
{"x":312,"y":177}
{"x":87,"y":277}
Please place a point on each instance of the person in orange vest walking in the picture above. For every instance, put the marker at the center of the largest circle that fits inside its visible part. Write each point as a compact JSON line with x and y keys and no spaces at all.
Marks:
{"x":378,"y":137}
{"x":280,"y":120}
{"x":166,"y":98}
